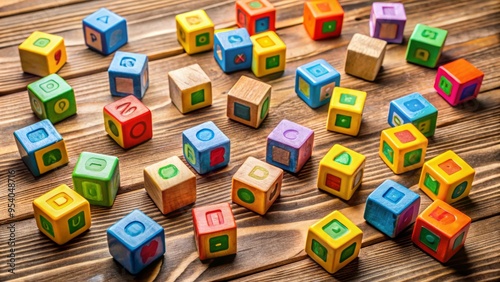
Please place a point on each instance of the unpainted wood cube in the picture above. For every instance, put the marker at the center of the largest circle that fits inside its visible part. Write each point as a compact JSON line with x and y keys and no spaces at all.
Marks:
{"x":425,"y":45}
{"x":248,"y":101}
{"x":195,"y":31}
{"x":190,"y":88}
{"x":42,"y":53}
{"x":255,"y":15}
{"x":364,"y":56}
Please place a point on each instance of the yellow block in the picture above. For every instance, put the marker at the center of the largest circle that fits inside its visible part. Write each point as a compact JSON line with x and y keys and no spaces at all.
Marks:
{"x":114,"y":132}
{"x":345,"y":111}
{"x":195,"y":31}
{"x":42,"y":53}
{"x":269,"y":53}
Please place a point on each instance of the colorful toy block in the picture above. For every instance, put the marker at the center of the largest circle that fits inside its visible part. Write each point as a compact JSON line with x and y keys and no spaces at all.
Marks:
{"x":413,"y":108}
{"x":345,"y":111}
{"x":458,"y":81}
{"x":314,"y":82}
{"x":425,"y":45}
{"x":323,"y":19}
{"x":42,"y":53}
{"x":195,"y":31}
{"x":440,"y":230}
{"x":41,"y":147}
{"x":135,"y":241}
{"x":105,"y":31}
{"x":233,"y":50}
{"x":364,"y":56}
{"x":128,"y":74}
{"x":97,"y":178}
{"x":269,"y":54}
{"x":446,"y":177}
{"x":256,"y":185}
{"x":387,"y":21}
{"x":248,"y":101}
{"x":190,"y":88}
{"x":52,"y":98}
{"x":206,"y":148}
{"x":214,"y":231}
{"x":402,"y":148}
{"x":170,"y":184}
{"x":128,"y":122}
{"x":62,"y":214}
{"x":341,"y":171}
{"x":289,"y":146}
{"x":255,"y":15}
{"x":391,"y":208}
{"x":333,"y":241}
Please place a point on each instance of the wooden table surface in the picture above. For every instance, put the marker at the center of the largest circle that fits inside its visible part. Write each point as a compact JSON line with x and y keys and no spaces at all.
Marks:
{"x":270,"y":247}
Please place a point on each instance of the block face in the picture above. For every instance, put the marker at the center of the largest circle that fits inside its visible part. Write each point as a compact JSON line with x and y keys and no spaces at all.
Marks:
{"x":42,"y":53}
{"x":323,"y":19}
{"x":190,"y":88}
{"x":128,"y":75}
{"x":104,"y":31}
{"x":195,"y":31}
{"x":52,"y":98}
{"x":315,"y":81}
{"x":413,"y":108}
{"x":387,"y":21}
{"x":268,"y":55}
{"x":135,"y":241}
{"x":256,"y":16}
{"x":233,"y":50}
{"x":345,"y":111}
{"x":248,"y":101}
{"x":364,"y":56}
{"x":425,"y":45}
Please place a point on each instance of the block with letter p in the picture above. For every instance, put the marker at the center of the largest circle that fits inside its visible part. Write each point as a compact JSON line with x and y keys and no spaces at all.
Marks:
{"x":105,"y":31}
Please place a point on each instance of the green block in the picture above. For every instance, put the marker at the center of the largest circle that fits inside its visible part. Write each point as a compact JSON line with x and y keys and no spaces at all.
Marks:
{"x":52,"y":98}
{"x":425,"y":45}
{"x":97,"y":178}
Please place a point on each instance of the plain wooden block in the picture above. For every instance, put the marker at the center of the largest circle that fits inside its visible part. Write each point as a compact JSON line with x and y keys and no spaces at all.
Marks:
{"x":364,"y":56}
{"x":190,"y":88}
{"x":248,"y":101}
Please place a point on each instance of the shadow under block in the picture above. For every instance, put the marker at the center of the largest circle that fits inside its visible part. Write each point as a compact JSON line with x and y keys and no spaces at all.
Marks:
{"x":446,"y":177}
{"x":104,"y":31}
{"x":269,"y":54}
{"x":425,"y":45}
{"x":391,"y":208}
{"x":214,"y":231}
{"x":195,"y":31}
{"x":205,"y":147}
{"x":345,"y":111}
{"x":440,"y":230}
{"x":42,"y":53}
{"x":402,"y":148}
{"x":233,"y":50}
{"x":364,"y":56}
{"x":458,"y":81}
{"x":52,"y":98}
{"x":333,"y":241}
{"x":340,"y":171}
{"x":41,"y":147}
{"x":387,"y":21}
{"x":413,"y":108}
{"x":170,"y":184}
{"x":190,"y":88}
{"x":248,"y":101}
{"x":128,"y":121}
{"x":256,"y":185}
{"x":97,"y":178}
{"x":62,"y":214}
{"x":255,"y":15}
{"x":323,"y":18}
{"x":289,"y":146}
{"x":135,"y":241}
{"x":315,"y":81}
{"x":128,"y":74}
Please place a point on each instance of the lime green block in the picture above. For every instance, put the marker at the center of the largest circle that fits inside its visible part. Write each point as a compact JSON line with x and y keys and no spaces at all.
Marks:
{"x":97,"y":178}
{"x":425,"y":45}
{"x":52,"y":98}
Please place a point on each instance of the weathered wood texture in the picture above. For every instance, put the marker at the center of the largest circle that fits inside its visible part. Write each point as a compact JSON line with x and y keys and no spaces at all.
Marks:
{"x":270,"y":247}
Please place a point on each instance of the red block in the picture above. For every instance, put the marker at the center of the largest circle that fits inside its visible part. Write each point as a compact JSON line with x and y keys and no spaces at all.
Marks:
{"x":255,"y":15}
{"x":323,"y":19}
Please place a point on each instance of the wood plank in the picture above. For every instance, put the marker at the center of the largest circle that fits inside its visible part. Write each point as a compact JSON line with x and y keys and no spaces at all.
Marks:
{"x":17,"y":7}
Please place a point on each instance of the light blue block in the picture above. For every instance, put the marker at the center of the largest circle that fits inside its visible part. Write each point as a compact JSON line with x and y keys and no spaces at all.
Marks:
{"x":314,"y":82}
{"x":413,"y":108}
{"x":205,"y":147}
{"x":391,"y":208}
{"x":233,"y":50}
{"x":135,"y":241}
{"x":128,"y":75}
{"x":105,"y":31}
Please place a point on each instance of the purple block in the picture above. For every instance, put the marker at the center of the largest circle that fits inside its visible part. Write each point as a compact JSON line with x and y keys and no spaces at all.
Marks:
{"x":387,"y":21}
{"x":289,"y":146}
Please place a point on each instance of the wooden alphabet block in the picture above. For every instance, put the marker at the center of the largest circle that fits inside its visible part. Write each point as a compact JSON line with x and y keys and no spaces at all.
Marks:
{"x":128,"y":75}
{"x":323,"y":18}
{"x":62,"y":214}
{"x":364,"y":56}
{"x":42,"y":53}
{"x":315,"y":81}
{"x":190,"y":88}
{"x":425,"y":45}
{"x":104,"y":31}
{"x":195,"y":31}
{"x":170,"y":184}
{"x":387,"y":21}
{"x":345,"y":111}
{"x":269,"y":54}
{"x":248,"y":101}
{"x":414,"y":108}
{"x":233,"y":50}
{"x":255,"y":15}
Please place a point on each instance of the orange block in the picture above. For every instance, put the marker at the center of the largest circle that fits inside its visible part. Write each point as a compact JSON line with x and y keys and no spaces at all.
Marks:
{"x":323,"y":19}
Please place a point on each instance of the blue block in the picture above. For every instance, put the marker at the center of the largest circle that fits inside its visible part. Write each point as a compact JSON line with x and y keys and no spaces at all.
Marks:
{"x":128,"y":74}
{"x":391,"y":208}
{"x":105,"y":31}
{"x":314,"y":82}
{"x":413,"y":108}
{"x":205,"y":147}
{"x":135,"y":241}
{"x":41,"y":147}
{"x":233,"y":50}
